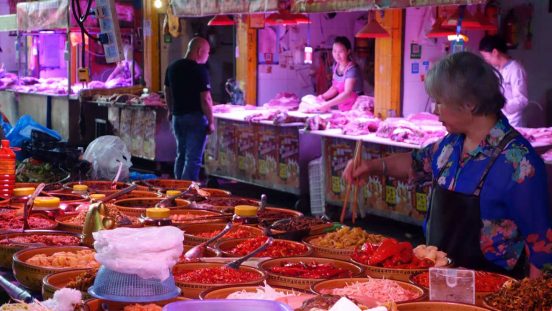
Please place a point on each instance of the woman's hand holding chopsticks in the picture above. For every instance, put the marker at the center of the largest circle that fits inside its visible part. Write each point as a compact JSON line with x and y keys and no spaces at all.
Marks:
{"x":358,"y":175}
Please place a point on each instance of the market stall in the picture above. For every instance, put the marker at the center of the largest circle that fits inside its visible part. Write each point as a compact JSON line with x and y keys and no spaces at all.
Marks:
{"x":54,"y":60}
{"x":303,"y":263}
{"x":270,"y":153}
{"x":140,"y":121}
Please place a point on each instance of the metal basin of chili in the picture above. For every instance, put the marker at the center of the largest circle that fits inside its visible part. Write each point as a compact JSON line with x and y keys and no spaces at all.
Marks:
{"x":216,"y":275}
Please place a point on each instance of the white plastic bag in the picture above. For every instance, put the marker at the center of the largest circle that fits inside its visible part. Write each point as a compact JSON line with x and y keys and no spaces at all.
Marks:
{"x":105,"y":153}
{"x":149,"y":252}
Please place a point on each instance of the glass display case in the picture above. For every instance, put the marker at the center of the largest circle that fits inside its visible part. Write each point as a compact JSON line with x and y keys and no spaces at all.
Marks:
{"x":50,"y":53}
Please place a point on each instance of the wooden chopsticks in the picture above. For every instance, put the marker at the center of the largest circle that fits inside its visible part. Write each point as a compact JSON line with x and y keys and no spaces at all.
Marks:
{"x":357,"y":157}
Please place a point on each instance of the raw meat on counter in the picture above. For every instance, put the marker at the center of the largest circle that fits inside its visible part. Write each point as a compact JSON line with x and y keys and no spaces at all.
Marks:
{"x":7,"y":80}
{"x":277,"y":116}
{"x":153,"y":99}
{"x":310,"y":103}
{"x":547,"y":156}
{"x":226,"y":108}
{"x":541,"y":136}
{"x":288,"y":101}
{"x":418,"y":129}
{"x":364,"y":103}
{"x":352,"y":122}
{"x":55,"y":86}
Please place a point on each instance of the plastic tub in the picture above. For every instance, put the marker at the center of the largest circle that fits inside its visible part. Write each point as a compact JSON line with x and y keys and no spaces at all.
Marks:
{"x":227,"y":305}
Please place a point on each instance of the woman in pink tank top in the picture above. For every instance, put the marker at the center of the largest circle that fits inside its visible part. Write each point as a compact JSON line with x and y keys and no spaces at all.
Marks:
{"x":346,"y":80}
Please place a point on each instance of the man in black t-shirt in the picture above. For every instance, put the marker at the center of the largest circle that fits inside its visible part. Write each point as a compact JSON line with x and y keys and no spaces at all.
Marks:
{"x":190,"y":107}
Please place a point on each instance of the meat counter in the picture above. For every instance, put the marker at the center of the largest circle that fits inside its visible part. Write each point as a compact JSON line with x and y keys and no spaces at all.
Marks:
{"x":274,"y":156}
{"x":383,"y":195}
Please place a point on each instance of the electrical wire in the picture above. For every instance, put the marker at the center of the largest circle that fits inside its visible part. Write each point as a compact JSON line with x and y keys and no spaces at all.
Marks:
{"x":80,"y":18}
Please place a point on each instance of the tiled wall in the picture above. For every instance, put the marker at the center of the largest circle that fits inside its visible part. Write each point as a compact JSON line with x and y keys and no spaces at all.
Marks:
{"x":418,"y":23}
{"x":290,"y":74}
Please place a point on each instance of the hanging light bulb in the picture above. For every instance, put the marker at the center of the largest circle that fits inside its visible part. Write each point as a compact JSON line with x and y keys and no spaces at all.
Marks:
{"x":458,"y":37}
{"x":372,"y":29}
{"x":157,"y":4}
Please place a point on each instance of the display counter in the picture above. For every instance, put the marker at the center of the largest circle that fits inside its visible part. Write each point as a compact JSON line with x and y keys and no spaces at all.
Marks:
{"x":274,"y":156}
{"x":385,"y":196}
{"x":382,"y":195}
{"x":144,"y":128}
{"x":57,"y":112}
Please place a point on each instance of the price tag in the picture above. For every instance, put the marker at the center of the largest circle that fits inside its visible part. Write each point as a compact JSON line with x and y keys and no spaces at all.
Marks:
{"x":263,"y":169}
{"x":283,"y":171}
{"x":455,"y":285}
{"x":241,"y":162}
{"x":421,"y":202}
{"x":390,"y":195}
{"x":336,"y":184}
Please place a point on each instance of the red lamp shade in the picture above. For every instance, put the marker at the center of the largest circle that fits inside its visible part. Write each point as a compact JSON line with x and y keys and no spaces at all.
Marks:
{"x":221,"y":20}
{"x":439,"y":32}
{"x":301,"y":19}
{"x":372,"y":29}
{"x":280,"y":19}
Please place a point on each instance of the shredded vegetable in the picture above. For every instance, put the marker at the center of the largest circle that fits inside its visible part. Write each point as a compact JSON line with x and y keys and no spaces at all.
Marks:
{"x":265,"y":292}
{"x":378,"y":289}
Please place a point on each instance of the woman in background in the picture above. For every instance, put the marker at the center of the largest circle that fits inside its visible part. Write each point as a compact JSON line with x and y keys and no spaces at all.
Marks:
{"x":346,"y":80}
{"x":514,"y":79}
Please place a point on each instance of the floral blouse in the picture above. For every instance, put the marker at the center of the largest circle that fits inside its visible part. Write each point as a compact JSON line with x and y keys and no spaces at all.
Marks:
{"x":514,"y":200}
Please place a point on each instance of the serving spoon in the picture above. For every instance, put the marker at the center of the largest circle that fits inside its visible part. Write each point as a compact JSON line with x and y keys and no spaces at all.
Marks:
{"x":197,"y":251}
{"x":169,"y":201}
{"x":236,"y":263}
{"x":29,"y":205}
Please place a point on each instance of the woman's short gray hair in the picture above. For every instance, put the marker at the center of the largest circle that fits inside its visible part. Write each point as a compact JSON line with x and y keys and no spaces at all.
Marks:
{"x":465,"y":78}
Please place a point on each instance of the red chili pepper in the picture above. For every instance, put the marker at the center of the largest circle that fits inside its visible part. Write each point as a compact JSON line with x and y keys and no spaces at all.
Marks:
{"x":426,"y":263}
{"x":405,"y":252}
{"x":387,"y":249}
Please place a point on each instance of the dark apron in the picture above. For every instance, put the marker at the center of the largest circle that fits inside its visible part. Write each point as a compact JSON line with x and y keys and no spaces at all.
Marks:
{"x":454,"y":223}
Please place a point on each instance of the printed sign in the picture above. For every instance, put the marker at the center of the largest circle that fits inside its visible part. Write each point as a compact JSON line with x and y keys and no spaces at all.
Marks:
{"x":268,"y":154}
{"x":337,"y":153}
{"x":288,"y":168}
{"x":415,"y":51}
{"x":415,"y":68}
{"x":247,"y":150}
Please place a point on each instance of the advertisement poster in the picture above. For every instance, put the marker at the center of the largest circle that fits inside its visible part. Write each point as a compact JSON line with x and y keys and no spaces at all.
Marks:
{"x":268,"y":154}
{"x":137,"y":130}
{"x":374,"y":194}
{"x":227,"y":146}
{"x":247,"y":150}
{"x":288,"y":167}
{"x":126,"y":127}
{"x":399,"y":193}
{"x":338,"y":152}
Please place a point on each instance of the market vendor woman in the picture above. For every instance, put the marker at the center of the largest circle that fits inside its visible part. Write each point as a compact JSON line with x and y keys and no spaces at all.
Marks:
{"x":346,"y":80}
{"x":489,"y":206}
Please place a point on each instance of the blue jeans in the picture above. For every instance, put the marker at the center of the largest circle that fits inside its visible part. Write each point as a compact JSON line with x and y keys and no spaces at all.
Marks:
{"x":190,"y":131}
